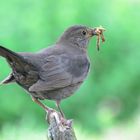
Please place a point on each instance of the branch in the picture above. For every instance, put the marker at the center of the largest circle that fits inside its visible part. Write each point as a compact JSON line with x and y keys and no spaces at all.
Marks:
{"x":59,"y":128}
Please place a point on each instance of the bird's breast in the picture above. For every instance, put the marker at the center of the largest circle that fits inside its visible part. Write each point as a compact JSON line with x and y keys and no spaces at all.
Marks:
{"x":79,"y":67}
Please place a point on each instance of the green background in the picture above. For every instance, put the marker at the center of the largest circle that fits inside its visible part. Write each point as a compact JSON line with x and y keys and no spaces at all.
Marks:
{"x":110,"y":96}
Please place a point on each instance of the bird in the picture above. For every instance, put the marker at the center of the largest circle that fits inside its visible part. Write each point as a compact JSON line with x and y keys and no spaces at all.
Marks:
{"x":55,"y":72}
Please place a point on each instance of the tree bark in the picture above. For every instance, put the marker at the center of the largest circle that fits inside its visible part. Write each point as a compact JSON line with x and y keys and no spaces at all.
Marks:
{"x":59,"y":128}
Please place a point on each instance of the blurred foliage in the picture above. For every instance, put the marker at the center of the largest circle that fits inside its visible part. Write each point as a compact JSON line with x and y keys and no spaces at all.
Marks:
{"x":110,"y":94}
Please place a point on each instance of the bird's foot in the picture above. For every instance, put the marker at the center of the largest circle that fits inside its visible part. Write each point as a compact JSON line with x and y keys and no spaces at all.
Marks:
{"x":61,"y":121}
{"x":65,"y":122}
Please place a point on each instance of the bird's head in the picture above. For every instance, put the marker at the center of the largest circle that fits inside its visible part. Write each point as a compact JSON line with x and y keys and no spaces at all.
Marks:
{"x":80,"y":35}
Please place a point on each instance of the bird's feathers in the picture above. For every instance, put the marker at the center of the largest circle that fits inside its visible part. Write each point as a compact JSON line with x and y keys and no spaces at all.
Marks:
{"x":61,"y":71}
{"x":15,"y":60}
{"x":8,"y":79}
{"x":23,"y":71}
{"x":53,"y":75}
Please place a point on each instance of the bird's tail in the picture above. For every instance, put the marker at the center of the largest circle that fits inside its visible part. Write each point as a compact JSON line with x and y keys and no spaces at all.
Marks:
{"x":9,"y":55}
{"x":8,"y":79}
{"x":15,"y":60}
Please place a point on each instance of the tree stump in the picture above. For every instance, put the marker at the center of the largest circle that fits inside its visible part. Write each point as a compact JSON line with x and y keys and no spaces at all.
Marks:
{"x":59,"y":128}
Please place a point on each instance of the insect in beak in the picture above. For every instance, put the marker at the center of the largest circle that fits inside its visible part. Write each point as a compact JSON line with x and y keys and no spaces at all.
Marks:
{"x":98,"y":31}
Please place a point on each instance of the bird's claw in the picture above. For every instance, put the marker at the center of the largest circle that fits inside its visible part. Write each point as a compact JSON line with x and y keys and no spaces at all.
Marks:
{"x":61,"y":121}
{"x":67,"y":123}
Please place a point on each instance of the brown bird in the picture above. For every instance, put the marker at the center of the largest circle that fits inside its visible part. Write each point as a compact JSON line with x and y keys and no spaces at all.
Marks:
{"x":56,"y":72}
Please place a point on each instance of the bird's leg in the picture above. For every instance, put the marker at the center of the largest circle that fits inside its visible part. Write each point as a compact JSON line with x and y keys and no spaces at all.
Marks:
{"x":59,"y":108}
{"x":63,"y":120}
{"x":47,"y":109}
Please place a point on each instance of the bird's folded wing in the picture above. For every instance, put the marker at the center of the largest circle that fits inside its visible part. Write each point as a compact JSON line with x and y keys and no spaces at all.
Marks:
{"x":53,"y":75}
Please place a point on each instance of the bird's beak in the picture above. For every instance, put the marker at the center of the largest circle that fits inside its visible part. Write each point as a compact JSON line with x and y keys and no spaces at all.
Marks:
{"x":94,"y":32}
{"x":97,"y":31}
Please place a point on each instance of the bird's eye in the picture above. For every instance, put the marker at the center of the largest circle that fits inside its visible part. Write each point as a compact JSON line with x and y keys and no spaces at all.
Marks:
{"x":84,"y":32}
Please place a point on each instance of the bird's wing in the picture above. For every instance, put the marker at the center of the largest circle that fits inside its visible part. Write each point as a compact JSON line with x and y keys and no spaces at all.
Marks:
{"x":54,"y":74}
